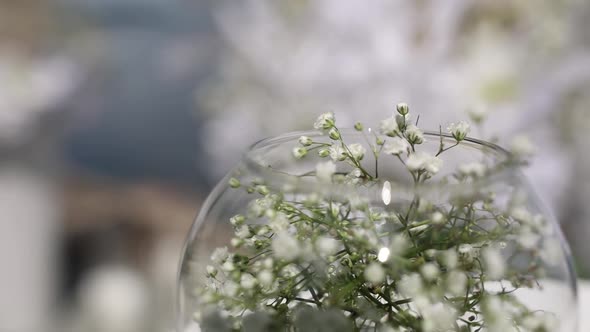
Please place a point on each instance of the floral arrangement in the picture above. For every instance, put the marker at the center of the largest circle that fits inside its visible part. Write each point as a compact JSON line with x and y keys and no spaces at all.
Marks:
{"x":324,"y":262}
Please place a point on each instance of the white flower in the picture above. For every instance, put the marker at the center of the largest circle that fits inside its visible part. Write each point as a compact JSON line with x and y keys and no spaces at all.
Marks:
{"x":243,"y":232}
{"x":494,"y":263}
{"x":402,"y":108}
{"x":449,"y":258}
{"x":325,"y":121}
{"x":357,"y":151}
{"x":285,"y":246}
{"x":389,"y":127}
{"x":541,"y":322}
{"x":438,"y":317}
{"x":247,"y":281}
{"x":459,"y":130}
{"x":325,"y":170}
{"x":411,"y":285}
{"x":219,"y":255}
{"x":211,"y":270}
{"x":305,"y":141}
{"x":265,"y":278}
{"x":475,"y":169}
{"x":429,"y":271}
{"x":466,"y":253}
{"x":337,"y":153}
{"x":374,"y":273}
{"x":497,"y":315}
{"x":326,"y":246}
{"x":522,"y":147}
{"x":396,"y":146}
{"x":422,"y":161}
{"x":527,"y":238}
{"x":477,"y":114}
{"x":457,"y":283}
{"x":399,"y":244}
{"x":299,"y":152}
{"x":438,"y":218}
{"x":414,"y":134}
{"x":230,"y":288}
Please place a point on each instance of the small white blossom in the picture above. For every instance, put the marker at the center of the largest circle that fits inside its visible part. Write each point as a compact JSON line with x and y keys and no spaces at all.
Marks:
{"x":438,"y":218}
{"x":325,"y":121}
{"x":337,"y":153}
{"x":285,"y":246}
{"x":305,"y":141}
{"x":325,"y":170}
{"x":459,"y":130}
{"x":522,"y":147}
{"x":497,"y":315}
{"x":402,"y":108}
{"x":473,"y":169}
{"x":280,"y":222}
{"x":211,"y":270}
{"x":228,"y":266}
{"x":357,"y":151}
{"x":494,"y":263}
{"x":299,"y":152}
{"x":389,"y":127}
{"x":420,"y":161}
{"x":243,"y":232}
{"x":265,"y":278}
{"x":414,"y":134}
{"x":477,"y":114}
{"x":219,"y":255}
{"x":411,"y":285}
{"x":326,"y":246}
{"x":247,"y":281}
{"x":230,"y":288}
{"x":449,"y":258}
{"x":457,"y":283}
{"x":396,"y":146}
{"x":438,"y":317}
{"x":527,"y":238}
{"x":429,"y":271}
{"x":374,"y":273}
{"x":541,"y":322}
{"x":466,"y":253}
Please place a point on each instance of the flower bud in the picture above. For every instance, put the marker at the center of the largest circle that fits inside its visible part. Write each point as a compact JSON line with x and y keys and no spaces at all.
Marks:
{"x":334,"y":134}
{"x":402,"y":108}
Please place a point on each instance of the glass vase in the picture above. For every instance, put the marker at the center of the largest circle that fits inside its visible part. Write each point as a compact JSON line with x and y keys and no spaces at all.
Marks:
{"x":287,"y":244}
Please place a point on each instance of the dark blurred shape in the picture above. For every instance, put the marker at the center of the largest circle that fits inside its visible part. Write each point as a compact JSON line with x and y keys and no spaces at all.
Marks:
{"x":134,"y":118}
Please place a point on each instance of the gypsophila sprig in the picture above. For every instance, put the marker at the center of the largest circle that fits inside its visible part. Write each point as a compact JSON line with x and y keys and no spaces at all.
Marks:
{"x":416,"y":265}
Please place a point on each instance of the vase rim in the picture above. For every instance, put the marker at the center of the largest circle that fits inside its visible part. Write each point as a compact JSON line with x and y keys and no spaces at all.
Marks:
{"x":499,"y":175}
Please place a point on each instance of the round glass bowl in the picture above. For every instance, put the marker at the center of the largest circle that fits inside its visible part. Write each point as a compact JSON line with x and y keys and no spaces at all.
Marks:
{"x":394,"y":243}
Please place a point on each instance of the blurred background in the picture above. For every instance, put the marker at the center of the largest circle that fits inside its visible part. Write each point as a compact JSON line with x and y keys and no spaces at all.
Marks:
{"x":118,"y":116}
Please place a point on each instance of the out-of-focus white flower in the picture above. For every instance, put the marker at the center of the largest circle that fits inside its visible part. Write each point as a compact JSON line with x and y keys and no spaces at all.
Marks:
{"x":478,"y":113}
{"x":498,"y":317}
{"x":438,"y":317}
{"x":357,"y":151}
{"x":475,"y":169}
{"x":247,"y":281}
{"x":414,"y":134}
{"x":494,"y":263}
{"x":374,"y":273}
{"x":422,"y":161}
{"x":459,"y":130}
{"x":285,"y":246}
{"x":265,"y":278}
{"x":325,"y":170}
{"x":324,"y":121}
{"x":337,"y":153}
{"x":449,"y":258}
{"x":429,"y":271}
{"x":411,"y":285}
{"x":541,"y":322}
{"x":396,"y":146}
{"x":521,"y":146}
{"x":219,"y":255}
{"x":389,"y":127}
{"x":457,"y":283}
{"x":243,"y":232}
{"x":326,"y":246}
{"x":438,"y":218}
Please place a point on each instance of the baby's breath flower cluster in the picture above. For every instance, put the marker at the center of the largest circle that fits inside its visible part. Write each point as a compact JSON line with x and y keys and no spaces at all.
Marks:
{"x":324,"y":262}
